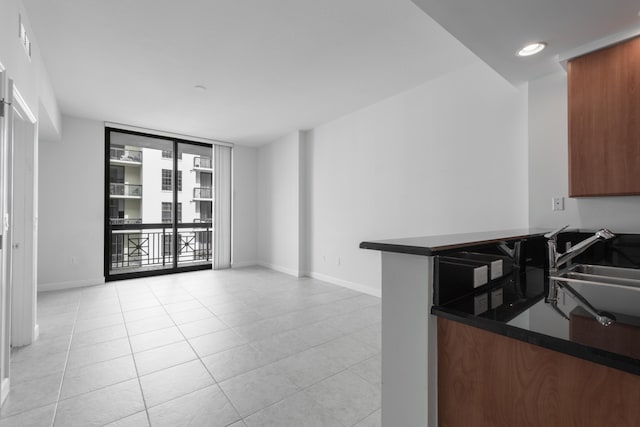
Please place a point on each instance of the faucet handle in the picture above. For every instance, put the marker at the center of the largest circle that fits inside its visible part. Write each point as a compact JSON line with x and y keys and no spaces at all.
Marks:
{"x":554,"y":234}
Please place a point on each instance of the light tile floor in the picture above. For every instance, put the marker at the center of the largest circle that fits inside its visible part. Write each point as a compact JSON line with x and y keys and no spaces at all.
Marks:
{"x":243,"y":348}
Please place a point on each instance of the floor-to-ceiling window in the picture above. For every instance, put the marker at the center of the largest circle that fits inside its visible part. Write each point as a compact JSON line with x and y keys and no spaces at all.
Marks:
{"x":158,"y":204}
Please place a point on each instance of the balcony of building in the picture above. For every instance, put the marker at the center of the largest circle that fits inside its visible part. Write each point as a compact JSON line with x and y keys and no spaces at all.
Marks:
{"x":125,"y":221}
{"x":125,"y":156}
{"x":202,"y":164}
{"x":125,"y":191}
{"x":146,"y":247}
{"x":203,"y":194}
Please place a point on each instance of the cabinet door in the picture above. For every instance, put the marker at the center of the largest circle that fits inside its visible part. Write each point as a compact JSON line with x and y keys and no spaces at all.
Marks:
{"x":604,"y":121}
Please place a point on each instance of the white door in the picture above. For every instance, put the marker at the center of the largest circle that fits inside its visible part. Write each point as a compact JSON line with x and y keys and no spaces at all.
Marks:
{"x":18,"y":192}
{"x":21,"y":211}
{"x":5,"y":305}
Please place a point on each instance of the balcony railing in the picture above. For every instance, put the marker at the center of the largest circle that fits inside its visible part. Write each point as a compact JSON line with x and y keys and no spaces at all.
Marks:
{"x":121,"y":221}
{"x":151,"y":246}
{"x":125,"y":155}
{"x":203,"y":220}
{"x":202,"y":162}
{"x":125,"y":190}
{"x":202,"y":193}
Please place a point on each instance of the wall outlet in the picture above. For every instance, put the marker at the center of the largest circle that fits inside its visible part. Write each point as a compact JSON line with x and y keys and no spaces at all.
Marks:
{"x":557,"y":203}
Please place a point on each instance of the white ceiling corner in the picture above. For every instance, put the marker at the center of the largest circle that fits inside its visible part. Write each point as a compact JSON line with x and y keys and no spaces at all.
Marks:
{"x":496,"y":29}
{"x":270,"y":67}
{"x":275,"y":66}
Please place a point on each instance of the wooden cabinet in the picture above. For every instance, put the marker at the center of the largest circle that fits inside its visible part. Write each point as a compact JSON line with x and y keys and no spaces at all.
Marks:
{"x":604,"y":121}
{"x":489,"y":380}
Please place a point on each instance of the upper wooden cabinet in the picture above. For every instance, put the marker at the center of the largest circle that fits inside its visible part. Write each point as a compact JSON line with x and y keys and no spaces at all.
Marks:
{"x":604,"y":121}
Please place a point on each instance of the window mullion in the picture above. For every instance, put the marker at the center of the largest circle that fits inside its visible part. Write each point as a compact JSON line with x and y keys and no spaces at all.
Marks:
{"x":175,"y":204}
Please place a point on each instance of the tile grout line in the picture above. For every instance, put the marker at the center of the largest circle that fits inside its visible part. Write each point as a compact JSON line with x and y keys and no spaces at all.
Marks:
{"x":66,"y":362}
{"x":299,"y":389}
{"x":192,"y":294}
{"x":135,"y":365}
{"x":367,"y":416}
{"x":200,"y":359}
{"x":303,"y":389}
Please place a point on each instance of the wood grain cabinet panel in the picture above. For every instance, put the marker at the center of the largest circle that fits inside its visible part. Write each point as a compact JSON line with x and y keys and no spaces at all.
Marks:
{"x":489,"y":380}
{"x":604,"y":121}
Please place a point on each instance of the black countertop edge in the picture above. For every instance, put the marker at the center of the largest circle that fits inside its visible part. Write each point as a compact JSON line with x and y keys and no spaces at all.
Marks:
{"x":602,"y":357}
{"x":432,"y":245}
{"x":400,"y":249}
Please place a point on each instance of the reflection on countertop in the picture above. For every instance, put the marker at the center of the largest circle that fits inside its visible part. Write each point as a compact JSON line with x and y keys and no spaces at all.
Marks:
{"x":524,"y":315}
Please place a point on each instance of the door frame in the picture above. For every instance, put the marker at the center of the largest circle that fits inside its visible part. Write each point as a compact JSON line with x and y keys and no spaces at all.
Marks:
{"x":5,"y":306}
{"x":22,"y":167}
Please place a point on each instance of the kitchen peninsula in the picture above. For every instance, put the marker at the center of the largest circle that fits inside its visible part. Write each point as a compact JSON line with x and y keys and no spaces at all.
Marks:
{"x":479,"y":359}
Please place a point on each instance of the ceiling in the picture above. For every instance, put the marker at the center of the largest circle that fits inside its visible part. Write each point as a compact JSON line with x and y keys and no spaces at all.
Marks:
{"x":496,"y":29}
{"x":274,"y":66}
{"x":270,"y":67}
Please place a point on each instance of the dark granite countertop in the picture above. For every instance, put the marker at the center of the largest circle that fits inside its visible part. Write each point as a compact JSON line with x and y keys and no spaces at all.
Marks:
{"x":432,"y":245}
{"x":524,"y":291}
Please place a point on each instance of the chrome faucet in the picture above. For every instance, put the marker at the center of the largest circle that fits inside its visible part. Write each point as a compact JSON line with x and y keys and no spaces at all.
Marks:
{"x":556,"y":260}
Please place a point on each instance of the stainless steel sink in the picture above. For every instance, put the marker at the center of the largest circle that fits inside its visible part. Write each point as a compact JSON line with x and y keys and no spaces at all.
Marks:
{"x":617,"y":277}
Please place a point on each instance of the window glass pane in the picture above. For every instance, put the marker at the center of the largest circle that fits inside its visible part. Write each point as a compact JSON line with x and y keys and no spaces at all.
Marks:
{"x":117,"y":174}
{"x":136,"y":163}
{"x":168,"y":154}
{"x":166,"y":212}
{"x":166,"y":180}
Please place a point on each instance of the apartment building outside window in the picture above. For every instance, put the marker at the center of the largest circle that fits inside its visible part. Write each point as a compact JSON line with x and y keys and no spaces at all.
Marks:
{"x":144,"y":234}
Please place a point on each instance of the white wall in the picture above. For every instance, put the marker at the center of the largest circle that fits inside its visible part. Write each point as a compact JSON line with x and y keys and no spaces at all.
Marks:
{"x":245,"y":206}
{"x":72,"y":206}
{"x":71,"y":198}
{"x":279,"y":204}
{"x":446,"y":157}
{"x":29,"y":75}
{"x":548,"y":168}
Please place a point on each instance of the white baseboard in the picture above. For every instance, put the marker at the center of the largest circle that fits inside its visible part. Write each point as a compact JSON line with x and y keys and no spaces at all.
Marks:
{"x":4,"y":389}
{"x":346,"y":284}
{"x":240,"y":264}
{"x":57,"y":286}
{"x":281,"y":269}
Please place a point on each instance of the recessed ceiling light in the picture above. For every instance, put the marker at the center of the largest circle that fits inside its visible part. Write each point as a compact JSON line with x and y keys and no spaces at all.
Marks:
{"x":200,"y":87}
{"x":532,"y":49}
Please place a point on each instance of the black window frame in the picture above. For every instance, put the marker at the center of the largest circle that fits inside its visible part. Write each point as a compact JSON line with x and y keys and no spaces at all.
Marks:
{"x":171,"y":229}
